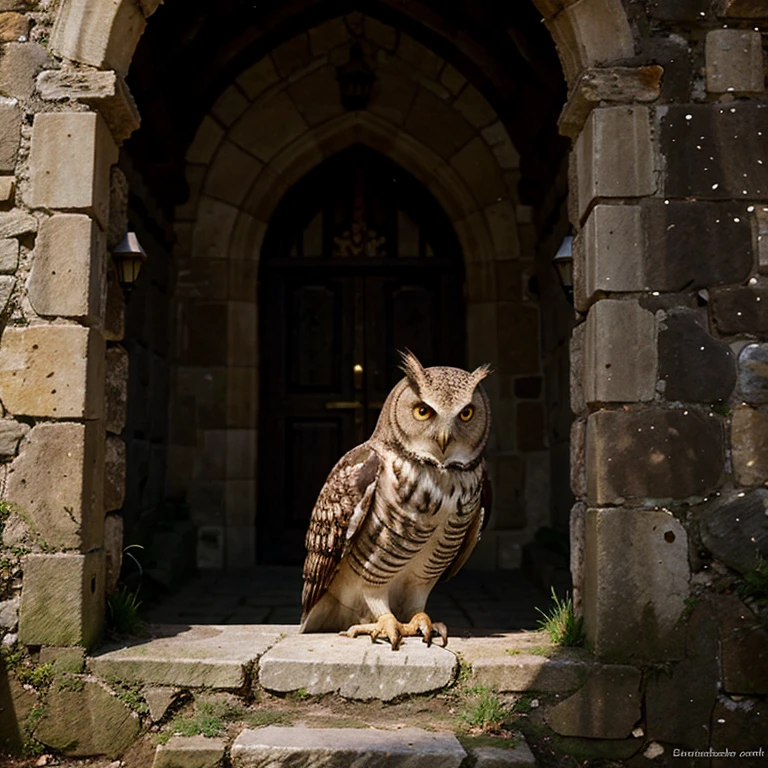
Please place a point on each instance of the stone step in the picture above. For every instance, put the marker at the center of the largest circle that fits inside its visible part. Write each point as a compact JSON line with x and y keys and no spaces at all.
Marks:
{"x":202,"y":656}
{"x":190,"y":752}
{"x":355,"y":668}
{"x":275,"y":746}
{"x":222,"y":657}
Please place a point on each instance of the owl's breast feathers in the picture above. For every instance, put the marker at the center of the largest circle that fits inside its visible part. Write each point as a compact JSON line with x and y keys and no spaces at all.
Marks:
{"x":340,"y":508}
{"x":389,"y":515}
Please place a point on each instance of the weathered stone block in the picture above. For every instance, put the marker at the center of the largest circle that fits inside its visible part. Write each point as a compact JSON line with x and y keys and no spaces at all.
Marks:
{"x":742,"y":309}
{"x":614,"y":85}
{"x":68,"y":277}
{"x":114,"y":473}
{"x":113,"y":551}
{"x":116,"y":389}
{"x":16,"y":704}
{"x":743,"y":647}
{"x":749,"y":445}
{"x":10,"y":433}
{"x":7,"y":188}
{"x":666,"y":247}
{"x":68,"y":659}
{"x":518,"y":336}
{"x":105,"y":91}
{"x":19,"y":67}
{"x":57,"y":482}
{"x":742,"y":9}
{"x":607,"y":706}
{"x":70,"y":159}
{"x":114,"y":314}
{"x":331,"y":664}
{"x":62,"y":602}
{"x":9,"y":256}
{"x":16,"y":222}
{"x":735,"y":529}
{"x":10,"y":136}
{"x":619,"y":353}
{"x":695,"y":367}
{"x":643,"y":554}
{"x":614,"y":155}
{"x":87,"y":722}
{"x":85,"y":32}
{"x":9,"y":614}
{"x":689,"y":686}
{"x":190,"y":752}
{"x":274,"y":745}
{"x":53,"y":370}
{"x":13,"y":26}
{"x":734,"y":134}
{"x":735,"y":61}
{"x":753,"y":373}
{"x":158,"y":699}
{"x":197,"y":657}
{"x":652,"y":454}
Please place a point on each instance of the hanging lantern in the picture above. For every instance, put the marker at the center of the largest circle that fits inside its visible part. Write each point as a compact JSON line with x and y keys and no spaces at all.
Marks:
{"x":355,"y":80}
{"x":563,"y":263}
{"x":128,"y":256}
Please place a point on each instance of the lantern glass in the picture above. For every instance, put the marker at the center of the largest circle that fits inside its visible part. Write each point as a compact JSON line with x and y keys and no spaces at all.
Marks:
{"x":128,"y":256}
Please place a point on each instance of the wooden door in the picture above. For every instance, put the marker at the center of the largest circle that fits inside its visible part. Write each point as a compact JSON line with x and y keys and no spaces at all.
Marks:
{"x":333,"y":318}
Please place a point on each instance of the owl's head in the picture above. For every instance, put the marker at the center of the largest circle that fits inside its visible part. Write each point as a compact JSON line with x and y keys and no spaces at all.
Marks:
{"x":438,"y":415}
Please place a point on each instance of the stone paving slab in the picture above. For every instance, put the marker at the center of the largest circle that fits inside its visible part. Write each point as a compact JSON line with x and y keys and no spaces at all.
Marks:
{"x":355,"y":668}
{"x":522,"y":661}
{"x":190,"y":752}
{"x":346,"y":747}
{"x":199,"y":656}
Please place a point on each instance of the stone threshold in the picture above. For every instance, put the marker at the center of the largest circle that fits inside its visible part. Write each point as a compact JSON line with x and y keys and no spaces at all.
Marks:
{"x":280,"y":660}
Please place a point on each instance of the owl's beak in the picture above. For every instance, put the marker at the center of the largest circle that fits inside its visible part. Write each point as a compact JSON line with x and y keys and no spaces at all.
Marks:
{"x":444,"y":439}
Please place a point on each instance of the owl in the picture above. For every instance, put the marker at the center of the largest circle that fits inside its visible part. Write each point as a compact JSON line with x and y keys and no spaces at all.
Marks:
{"x":402,"y":510}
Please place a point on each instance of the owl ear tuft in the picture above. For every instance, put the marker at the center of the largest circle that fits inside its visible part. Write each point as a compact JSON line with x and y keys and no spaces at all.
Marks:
{"x":414,"y":370}
{"x":479,"y":374}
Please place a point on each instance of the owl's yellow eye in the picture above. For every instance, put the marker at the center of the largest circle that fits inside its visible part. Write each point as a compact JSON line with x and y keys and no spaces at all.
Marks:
{"x":422,"y":412}
{"x":467,"y":413}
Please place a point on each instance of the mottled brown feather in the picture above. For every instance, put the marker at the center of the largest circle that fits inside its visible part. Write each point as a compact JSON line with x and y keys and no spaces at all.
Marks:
{"x":473,"y":532}
{"x":326,"y":538}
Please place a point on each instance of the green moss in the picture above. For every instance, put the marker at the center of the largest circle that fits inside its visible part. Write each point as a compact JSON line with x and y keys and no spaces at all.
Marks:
{"x":69,"y":682}
{"x":31,"y":746}
{"x":261,"y":718}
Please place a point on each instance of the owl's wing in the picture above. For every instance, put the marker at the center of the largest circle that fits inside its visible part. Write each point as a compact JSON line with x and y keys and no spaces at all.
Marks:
{"x":341,"y":507}
{"x":472,"y":535}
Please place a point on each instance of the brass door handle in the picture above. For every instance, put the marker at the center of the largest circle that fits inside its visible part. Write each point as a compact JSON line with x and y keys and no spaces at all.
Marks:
{"x":344,"y":405}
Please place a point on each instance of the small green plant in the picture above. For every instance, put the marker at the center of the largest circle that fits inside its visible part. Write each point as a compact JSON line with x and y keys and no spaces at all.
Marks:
{"x":130,"y":693}
{"x":31,"y":746}
{"x":524,"y":704}
{"x":299,"y":695}
{"x":484,"y":710}
{"x":562,"y":624}
{"x":17,"y":660}
{"x":209,"y":719}
{"x":123,"y":619}
{"x":755,"y":584}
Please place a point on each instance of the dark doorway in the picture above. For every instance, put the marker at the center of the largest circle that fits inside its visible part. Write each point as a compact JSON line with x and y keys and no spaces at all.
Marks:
{"x":359,"y":262}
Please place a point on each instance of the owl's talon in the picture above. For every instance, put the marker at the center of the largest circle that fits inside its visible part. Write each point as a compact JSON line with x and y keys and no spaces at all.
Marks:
{"x":388,"y":626}
{"x":440,"y":629}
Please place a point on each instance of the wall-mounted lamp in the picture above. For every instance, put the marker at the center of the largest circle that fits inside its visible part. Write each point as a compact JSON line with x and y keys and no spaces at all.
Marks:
{"x":128,"y":256}
{"x":563,"y":263}
{"x":355,"y":79}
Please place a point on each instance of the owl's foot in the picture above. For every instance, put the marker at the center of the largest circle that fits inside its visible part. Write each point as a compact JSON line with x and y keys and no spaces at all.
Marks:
{"x":395,"y":631}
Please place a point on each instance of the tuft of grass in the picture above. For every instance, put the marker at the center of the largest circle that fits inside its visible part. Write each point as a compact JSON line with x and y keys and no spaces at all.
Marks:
{"x":755,"y":584}
{"x":484,"y":710}
{"x":123,"y":618}
{"x":209,"y":719}
{"x":561,"y":623}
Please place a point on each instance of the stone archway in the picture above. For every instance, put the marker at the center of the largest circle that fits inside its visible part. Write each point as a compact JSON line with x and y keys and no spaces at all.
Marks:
{"x":638,"y":209}
{"x":239,"y":168}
